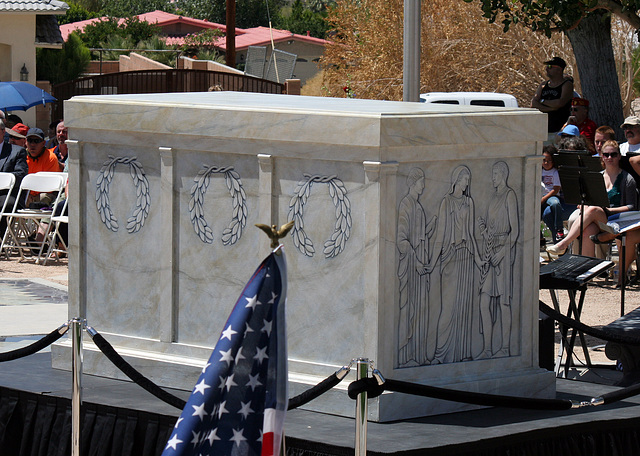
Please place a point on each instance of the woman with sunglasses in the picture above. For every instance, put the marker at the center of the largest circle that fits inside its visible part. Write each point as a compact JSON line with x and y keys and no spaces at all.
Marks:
{"x":621,"y":190}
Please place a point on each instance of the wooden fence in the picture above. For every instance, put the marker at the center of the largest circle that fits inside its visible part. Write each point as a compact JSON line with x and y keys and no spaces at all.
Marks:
{"x":159,"y":81}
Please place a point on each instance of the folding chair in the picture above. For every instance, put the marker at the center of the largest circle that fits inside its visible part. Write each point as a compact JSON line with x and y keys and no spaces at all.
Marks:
{"x":7,"y":181}
{"x":53,"y":237}
{"x":23,"y":224}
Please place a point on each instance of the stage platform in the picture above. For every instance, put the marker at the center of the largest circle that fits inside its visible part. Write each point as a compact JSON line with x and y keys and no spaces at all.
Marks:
{"x":121,"y":418}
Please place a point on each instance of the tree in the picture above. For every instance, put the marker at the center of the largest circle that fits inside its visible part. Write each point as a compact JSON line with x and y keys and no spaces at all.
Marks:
{"x":249,"y":13}
{"x":302,"y":20}
{"x":460,"y":51}
{"x":76,"y":13}
{"x":66,"y":64}
{"x":128,"y":8}
{"x":587,"y":24}
{"x":99,"y":32}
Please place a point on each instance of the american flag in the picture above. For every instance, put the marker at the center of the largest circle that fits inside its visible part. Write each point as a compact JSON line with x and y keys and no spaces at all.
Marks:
{"x":238,"y":405}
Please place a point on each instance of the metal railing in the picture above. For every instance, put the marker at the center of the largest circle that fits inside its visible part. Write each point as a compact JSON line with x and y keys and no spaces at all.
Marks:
{"x":159,"y":81}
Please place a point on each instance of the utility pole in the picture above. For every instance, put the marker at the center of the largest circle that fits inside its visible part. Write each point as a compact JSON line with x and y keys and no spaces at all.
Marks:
{"x":231,"y":34}
{"x":411,"y":51}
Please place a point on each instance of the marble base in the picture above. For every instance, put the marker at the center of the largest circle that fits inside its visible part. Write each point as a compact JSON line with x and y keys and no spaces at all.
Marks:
{"x":415,"y":242}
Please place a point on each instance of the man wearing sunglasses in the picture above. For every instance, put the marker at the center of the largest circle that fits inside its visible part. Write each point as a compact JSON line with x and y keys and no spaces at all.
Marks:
{"x":631,"y":128}
{"x":580,"y":118}
{"x":13,"y":159}
{"x":40,"y":159}
{"x":554,"y":95}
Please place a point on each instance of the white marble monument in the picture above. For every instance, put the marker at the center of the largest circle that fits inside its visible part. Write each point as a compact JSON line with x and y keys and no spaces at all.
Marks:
{"x":415,"y":241}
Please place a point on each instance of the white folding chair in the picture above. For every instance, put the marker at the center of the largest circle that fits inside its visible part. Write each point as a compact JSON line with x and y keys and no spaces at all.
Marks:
{"x":7,"y":181}
{"x":23,"y":224}
{"x":54,"y":242}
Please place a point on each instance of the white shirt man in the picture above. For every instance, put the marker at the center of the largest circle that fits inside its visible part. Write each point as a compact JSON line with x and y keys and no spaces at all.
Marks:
{"x":631,"y":127}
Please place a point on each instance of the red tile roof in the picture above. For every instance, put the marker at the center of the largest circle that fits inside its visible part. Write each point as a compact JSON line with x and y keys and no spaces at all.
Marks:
{"x":256,"y":36}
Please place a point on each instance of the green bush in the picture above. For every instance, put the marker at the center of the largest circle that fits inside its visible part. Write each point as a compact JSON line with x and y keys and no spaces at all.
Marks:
{"x":66,"y":64}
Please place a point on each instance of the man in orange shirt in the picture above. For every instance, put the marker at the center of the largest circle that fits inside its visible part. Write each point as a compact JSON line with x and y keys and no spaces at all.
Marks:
{"x":40,"y":159}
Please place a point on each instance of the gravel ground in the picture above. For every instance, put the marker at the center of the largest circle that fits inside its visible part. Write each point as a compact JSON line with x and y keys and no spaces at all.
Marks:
{"x":54,"y":271}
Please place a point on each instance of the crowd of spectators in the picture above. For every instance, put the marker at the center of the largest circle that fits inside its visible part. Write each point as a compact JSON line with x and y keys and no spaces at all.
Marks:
{"x":571,"y":129}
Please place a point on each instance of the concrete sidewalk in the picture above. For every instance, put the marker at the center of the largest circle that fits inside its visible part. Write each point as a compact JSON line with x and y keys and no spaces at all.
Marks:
{"x":33,"y":301}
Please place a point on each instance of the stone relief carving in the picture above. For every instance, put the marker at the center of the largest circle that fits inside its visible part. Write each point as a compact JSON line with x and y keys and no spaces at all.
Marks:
{"x":141,"y":211}
{"x":233,"y":232}
{"x":338,"y":192}
{"x":413,"y":247}
{"x":445,"y":277}
{"x":500,"y":230}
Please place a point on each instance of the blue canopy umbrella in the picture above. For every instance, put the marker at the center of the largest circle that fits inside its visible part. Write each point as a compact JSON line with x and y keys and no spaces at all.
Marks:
{"x":16,"y":95}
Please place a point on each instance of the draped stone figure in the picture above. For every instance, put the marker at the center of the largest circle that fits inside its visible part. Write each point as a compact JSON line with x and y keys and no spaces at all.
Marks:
{"x":454,"y":253}
{"x":500,"y":231}
{"x":413,"y":247}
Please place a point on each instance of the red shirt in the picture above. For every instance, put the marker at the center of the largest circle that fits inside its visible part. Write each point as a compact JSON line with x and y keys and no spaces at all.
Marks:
{"x":588,"y":129}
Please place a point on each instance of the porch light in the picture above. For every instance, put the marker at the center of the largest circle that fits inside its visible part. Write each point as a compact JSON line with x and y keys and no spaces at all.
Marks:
{"x":24,"y":73}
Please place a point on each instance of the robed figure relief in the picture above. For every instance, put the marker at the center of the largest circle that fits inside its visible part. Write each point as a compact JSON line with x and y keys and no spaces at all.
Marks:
{"x":499,"y":231}
{"x":454,"y":258}
{"x":413,"y":246}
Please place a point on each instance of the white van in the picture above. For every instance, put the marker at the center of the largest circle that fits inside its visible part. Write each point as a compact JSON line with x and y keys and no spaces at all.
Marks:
{"x":470,"y":98}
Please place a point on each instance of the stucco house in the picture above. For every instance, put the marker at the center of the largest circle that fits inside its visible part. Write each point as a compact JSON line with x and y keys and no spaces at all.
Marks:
{"x":24,"y":26}
{"x":174,"y":27}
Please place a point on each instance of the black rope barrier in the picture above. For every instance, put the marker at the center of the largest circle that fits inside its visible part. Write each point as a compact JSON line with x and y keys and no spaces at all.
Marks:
{"x":107,"y":349}
{"x":36,"y":346}
{"x":371,"y":386}
{"x":600,"y":334}
{"x":318,"y":390}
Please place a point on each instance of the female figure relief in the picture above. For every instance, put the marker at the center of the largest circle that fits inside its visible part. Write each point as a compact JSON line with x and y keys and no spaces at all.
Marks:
{"x":413,"y":245}
{"x":454,"y":253}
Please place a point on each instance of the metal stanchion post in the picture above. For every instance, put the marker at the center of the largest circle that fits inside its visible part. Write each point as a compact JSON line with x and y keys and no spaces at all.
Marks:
{"x":362,"y":409}
{"x":76,"y":390}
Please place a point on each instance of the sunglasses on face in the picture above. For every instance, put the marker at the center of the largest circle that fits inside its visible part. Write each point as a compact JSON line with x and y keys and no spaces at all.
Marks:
{"x":612,"y":154}
{"x":35,"y":140}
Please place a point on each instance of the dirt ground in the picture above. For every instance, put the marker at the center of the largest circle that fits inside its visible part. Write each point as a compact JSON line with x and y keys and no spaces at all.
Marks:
{"x":54,"y":271}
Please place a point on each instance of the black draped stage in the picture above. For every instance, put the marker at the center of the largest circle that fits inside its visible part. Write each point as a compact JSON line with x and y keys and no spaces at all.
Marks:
{"x":119,"y":418}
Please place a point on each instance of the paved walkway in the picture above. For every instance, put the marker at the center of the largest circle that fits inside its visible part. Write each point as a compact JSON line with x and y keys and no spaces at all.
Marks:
{"x":33,"y":301}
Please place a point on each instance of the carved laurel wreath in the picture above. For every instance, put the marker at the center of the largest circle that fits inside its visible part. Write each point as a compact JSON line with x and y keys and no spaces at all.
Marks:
{"x":231,"y":234}
{"x":141,"y":211}
{"x":338,"y":193}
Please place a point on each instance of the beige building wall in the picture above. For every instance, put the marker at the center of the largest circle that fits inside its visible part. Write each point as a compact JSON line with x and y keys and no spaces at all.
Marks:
{"x":306,"y":63}
{"x":133,"y":62}
{"x":17,"y":48}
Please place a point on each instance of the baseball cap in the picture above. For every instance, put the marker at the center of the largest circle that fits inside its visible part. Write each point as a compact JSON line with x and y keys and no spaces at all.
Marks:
{"x":569,"y":130}
{"x":556,"y":61}
{"x":579,"y":102}
{"x":14,"y":133}
{"x":631,"y":120}
{"x":35,"y":132}
{"x":20,"y":128}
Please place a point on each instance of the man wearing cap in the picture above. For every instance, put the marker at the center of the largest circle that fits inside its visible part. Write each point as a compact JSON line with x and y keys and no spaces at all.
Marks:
{"x":631,"y":127}
{"x":17,"y":134}
{"x":554,"y":96}
{"x":13,"y":159}
{"x":580,"y":118}
{"x":38,"y":158}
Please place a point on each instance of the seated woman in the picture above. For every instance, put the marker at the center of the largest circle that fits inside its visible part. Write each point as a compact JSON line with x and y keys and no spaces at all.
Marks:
{"x":554,"y":210}
{"x":621,"y":189}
